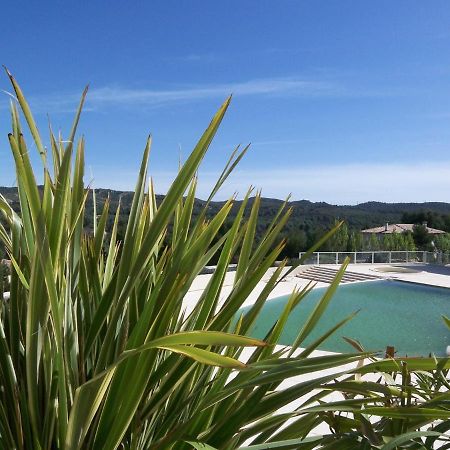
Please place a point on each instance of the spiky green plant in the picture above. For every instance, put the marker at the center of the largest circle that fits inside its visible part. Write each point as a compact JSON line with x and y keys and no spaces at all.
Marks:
{"x":94,"y":343}
{"x":96,"y":350}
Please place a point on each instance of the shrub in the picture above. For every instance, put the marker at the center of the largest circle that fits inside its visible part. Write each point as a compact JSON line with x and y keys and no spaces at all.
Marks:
{"x":97,"y":350}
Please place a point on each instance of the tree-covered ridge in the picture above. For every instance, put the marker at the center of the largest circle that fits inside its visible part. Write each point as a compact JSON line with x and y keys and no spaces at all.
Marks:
{"x":305,"y":213}
{"x":308,"y":222}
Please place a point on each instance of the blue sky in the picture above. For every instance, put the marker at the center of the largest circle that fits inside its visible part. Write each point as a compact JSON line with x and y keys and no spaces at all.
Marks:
{"x":343,"y":101}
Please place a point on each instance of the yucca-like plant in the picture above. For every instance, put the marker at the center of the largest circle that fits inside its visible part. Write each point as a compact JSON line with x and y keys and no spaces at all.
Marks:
{"x":97,"y":352}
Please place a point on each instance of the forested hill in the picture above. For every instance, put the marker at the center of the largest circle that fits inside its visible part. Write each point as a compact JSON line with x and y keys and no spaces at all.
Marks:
{"x":307,"y":216}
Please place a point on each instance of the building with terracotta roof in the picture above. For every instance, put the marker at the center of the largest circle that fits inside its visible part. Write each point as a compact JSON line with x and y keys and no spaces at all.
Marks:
{"x":389,"y":228}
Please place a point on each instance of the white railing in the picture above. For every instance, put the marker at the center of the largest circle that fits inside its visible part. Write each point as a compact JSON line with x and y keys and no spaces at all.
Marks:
{"x":378,"y":257}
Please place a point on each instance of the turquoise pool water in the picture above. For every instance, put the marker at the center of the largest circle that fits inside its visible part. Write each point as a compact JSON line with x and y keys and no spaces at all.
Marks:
{"x":404,"y":315}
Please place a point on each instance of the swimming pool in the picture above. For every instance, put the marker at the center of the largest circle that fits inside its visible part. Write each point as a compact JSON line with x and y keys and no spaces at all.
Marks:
{"x":404,"y":315}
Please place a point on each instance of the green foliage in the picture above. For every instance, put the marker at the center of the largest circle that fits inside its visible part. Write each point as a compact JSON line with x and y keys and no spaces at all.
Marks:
{"x":442,"y":243}
{"x":308,"y":220}
{"x":97,"y":350}
{"x":433,"y":219}
{"x":295,"y":242}
{"x":396,"y":241}
{"x":389,"y":242}
{"x":340,"y":240}
{"x":356,"y":242}
{"x":421,"y":237}
{"x":409,"y":242}
{"x":374,"y":243}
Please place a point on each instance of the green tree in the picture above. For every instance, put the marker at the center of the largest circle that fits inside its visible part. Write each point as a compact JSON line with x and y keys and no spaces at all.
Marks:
{"x":295,"y":243}
{"x":398,"y":241}
{"x":442,"y":243}
{"x":409,"y":242}
{"x":387,"y":242}
{"x":355,"y":242}
{"x":422,"y":239}
{"x":374,"y":243}
{"x":340,"y":239}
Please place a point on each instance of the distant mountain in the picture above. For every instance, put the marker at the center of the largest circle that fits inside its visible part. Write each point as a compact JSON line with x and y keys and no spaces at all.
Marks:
{"x":306,"y":215}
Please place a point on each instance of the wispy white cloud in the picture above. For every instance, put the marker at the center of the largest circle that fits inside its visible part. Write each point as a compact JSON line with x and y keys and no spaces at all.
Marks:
{"x":108,"y":96}
{"x":319,"y":86}
{"x":51,"y":104}
{"x":337,"y":184}
{"x":267,"y":86}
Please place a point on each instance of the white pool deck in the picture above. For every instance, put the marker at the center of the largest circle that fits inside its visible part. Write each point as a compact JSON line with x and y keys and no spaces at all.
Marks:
{"x":423,"y":274}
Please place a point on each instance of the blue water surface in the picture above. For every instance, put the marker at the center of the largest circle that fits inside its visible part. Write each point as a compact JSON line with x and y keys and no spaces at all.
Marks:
{"x":406,"y":316}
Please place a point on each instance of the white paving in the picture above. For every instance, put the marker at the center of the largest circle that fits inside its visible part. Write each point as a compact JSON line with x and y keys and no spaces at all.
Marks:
{"x":423,"y":273}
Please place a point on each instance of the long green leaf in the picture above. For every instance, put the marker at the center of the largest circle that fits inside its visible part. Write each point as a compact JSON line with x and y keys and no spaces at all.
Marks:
{"x":319,"y":309}
{"x":408,"y":437}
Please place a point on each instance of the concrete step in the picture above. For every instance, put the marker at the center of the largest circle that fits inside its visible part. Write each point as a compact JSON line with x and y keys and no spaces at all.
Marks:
{"x":327,"y":274}
{"x":334,"y":271}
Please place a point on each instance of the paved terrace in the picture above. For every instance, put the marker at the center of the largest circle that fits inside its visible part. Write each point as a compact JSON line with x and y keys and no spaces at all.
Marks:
{"x":428,"y":274}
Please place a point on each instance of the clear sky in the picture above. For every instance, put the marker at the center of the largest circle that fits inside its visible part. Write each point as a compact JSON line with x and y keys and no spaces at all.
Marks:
{"x":343,"y":101}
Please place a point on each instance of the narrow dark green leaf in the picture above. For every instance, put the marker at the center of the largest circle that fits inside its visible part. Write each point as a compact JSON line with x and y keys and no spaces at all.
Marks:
{"x":320,"y":308}
{"x":408,"y":437}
